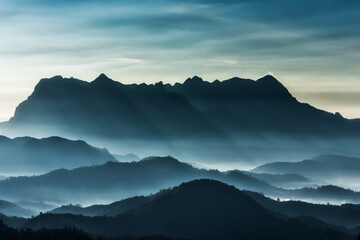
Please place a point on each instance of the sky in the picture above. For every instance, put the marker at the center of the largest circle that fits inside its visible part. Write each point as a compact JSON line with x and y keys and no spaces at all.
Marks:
{"x":311,"y":46}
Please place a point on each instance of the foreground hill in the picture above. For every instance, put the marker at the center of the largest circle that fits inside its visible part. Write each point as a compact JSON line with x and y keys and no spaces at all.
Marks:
{"x":26,"y":155}
{"x":233,"y":120}
{"x":8,"y":233}
{"x":201,"y":209}
{"x":346,"y":215}
{"x":68,"y":233}
{"x":114,"y":180}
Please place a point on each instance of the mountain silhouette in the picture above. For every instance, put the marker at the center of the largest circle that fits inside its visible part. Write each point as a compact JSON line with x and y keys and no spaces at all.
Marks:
{"x":26,"y":155}
{"x":192,"y":109}
{"x":201,"y":209}
{"x":108,"y":108}
{"x":236,"y":120}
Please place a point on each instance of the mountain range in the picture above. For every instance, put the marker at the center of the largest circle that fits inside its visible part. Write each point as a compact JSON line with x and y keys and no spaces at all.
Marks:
{"x":236,"y":120}
{"x":213,"y":127}
{"x":115,"y":180}
{"x":195,"y":108}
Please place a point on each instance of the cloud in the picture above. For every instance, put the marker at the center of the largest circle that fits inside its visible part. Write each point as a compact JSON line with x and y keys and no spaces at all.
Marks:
{"x":303,"y":41}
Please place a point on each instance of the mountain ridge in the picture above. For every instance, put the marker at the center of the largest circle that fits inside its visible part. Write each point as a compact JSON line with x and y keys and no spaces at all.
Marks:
{"x":118,"y":180}
{"x":194,"y":210}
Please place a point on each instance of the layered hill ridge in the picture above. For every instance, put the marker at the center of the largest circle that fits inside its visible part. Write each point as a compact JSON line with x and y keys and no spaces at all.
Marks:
{"x":332,"y":167}
{"x":115,"y":180}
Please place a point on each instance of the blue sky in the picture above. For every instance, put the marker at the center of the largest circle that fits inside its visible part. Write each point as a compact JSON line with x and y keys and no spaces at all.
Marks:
{"x":312,"y":47}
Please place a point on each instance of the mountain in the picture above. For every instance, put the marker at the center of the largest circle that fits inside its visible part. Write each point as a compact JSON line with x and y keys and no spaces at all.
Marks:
{"x":115,"y":180}
{"x":12,"y":209}
{"x":247,"y":106}
{"x":328,"y":168}
{"x":236,"y":120}
{"x":109,"y":109}
{"x":201,"y":209}
{"x":26,"y":155}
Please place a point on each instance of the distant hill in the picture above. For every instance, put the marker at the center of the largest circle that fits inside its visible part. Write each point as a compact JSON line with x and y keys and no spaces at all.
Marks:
{"x":236,"y":120}
{"x":115,"y":180}
{"x":328,"y":168}
{"x":113,"y":209}
{"x":12,"y":209}
{"x":26,"y":155}
{"x":201,"y":209}
{"x":283,"y":180}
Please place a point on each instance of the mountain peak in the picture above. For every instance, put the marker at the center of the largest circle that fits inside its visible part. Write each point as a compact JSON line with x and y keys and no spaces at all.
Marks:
{"x":102,"y":78}
{"x":271,"y":85}
{"x":54,"y":78}
{"x":193,"y":81}
{"x":268,"y":79}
